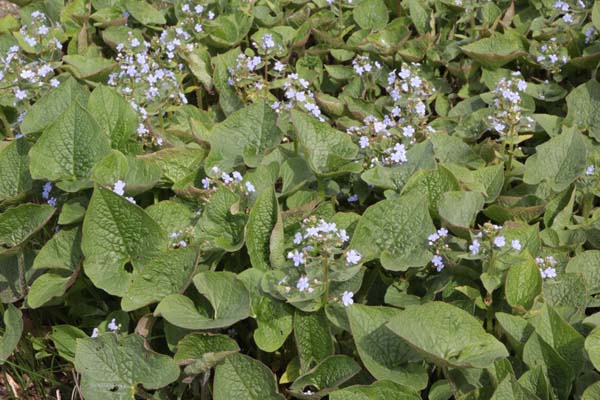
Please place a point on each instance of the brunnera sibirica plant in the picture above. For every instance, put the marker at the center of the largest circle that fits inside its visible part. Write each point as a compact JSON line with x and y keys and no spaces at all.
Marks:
{"x":311,"y":199}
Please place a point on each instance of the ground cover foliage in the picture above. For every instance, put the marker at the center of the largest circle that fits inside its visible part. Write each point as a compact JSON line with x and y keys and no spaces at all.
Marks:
{"x":300,"y":199}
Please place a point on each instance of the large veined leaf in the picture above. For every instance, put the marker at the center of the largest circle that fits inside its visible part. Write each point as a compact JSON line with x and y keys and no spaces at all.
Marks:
{"x":178,"y":162}
{"x":251,"y":130}
{"x":454,"y":337}
{"x":19,"y":223}
{"x":241,"y":377}
{"x":144,"y":12}
{"x":112,"y":367}
{"x":592,"y":346}
{"x":219,"y":227}
{"x":328,"y":151}
{"x":200,"y":352}
{"x":261,"y":223}
{"x":13,"y":327}
{"x":62,"y":251}
{"x":68,"y":149}
{"x":14,"y":169}
{"x":226,"y":294}
{"x":523,"y":284}
{"x":495,"y":51}
{"x":118,"y":236}
{"x":115,"y":116}
{"x":559,"y":161}
{"x":167,"y":274}
{"x":313,"y":338}
{"x":583,"y":103}
{"x":385,"y":355}
{"x":379,"y":390}
{"x":327,"y":376}
{"x":52,"y":105}
{"x":586,"y":264}
{"x":273,"y":317}
{"x":395,"y":231}
{"x":371,"y":14}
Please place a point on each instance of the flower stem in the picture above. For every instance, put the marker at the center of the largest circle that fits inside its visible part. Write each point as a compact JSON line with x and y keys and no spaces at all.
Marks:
{"x":326,"y":281}
{"x":511,"y":148}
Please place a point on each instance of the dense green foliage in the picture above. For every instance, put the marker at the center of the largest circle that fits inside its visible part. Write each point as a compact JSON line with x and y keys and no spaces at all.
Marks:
{"x":297,"y":199}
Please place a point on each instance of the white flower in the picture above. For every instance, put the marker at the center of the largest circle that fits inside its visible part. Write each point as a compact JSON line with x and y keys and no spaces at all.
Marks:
{"x":347,"y":298}
{"x":353,"y":198}
{"x":522,"y":85}
{"x":408,"y":131}
{"x":590,"y":170}
{"x":499,"y":241}
{"x":95,"y":333}
{"x":567,"y":18}
{"x":438,"y":262}
{"x":474,"y":248}
{"x":343,"y":235}
{"x":516,"y":244}
{"x":112,"y":325}
{"x":226,"y":178}
{"x":119,"y":187}
{"x":443,"y":232}
{"x":302,"y":284}
{"x":297,"y":257}
{"x":199,"y":8}
{"x":268,"y":42}
{"x":353,"y":257}
{"x":548,"y":273}
{"x":297,"y":238}
{"x":433,"y":238}
{"x":182,"y":243}
{"x":52,"y":201}
{"x":20,"y":94}
{"x":198,"y":28}
{"x":206,"y":183}
{"x":363,"y":142}
{"x":250,"y":187}
{"x":46,"y":189}
{"x":54,"y":82}
{"x":279,"y":66}
{"x":237,"y":176}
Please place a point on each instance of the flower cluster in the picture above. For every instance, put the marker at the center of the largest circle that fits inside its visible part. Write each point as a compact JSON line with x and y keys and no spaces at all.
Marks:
{"x":568,"y":11}
{"x":546,"y":266}
{"x":492,"y":233}
{"x":119,"y":188}
{"x":551,"y":56}
{"x":46,"y":189}
{"x":26,"y":80}
{"x":437,"y":241}
{"x":37,"y":33}
{"x":149,"y":76}
{"x":181,"y":238}
{"x":112,"y":326}
{"x":223,"y":178}
{"x":411,"y":91}
{"x":363,"y":65}
{"x":297,"y":94}
{"x":192,"y":17}
{"x":507,"y":105}
{"x":319,"y":243}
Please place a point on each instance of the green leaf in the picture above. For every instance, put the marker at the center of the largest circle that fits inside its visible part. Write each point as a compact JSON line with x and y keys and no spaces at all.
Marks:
{"x":593,"y":391}
{"x":241,"y":377}
{"x":510,"y":388}
{"x":328,"y":375}
{"x":535,"y":381}
{"x":395,"y":231}
{"x":592,"y":346}
{"x":111,"y":367}
{"x":62,"y":251}
{"x":559,"y":161}
{"x":313,"y":338}
{"x":583,"y":103}
{"x":15,"y":178}
{"x":178,"y":162}
{"x":378,"y":390}
{"x":69,"y":148}
{"x":559,"y":334}
{"x":328,"y":151}
{"x":385,"y":355}
{"x":50,"y":107}
{"x":117,"y":233}
{"x":227,"y":295}
{"x":20,"y":223}
{"x":262,"y":220}
{"x":371,"y":14}
{"x":495,"y":51}
{"x":64,"y":338}
{"x":115,"y":116}
{"x":454,"y":337}
{"x":13,"y":323}
{"x":48,"y":286}
{"x":200,"y":352}
{"x":539,"y":353}
{"x":420,"y":14}
{"x":172,"y":216}
{"x":250,"y":129}
{"x":523,"y":284}
{"x":432,"y":184}
{"x":167,"y":274}
{"x":586,"y":264}
{"x":144,"y":12}
{"x":460,"y":208}
{"x":218,"y":227}
{"x":596,"y":15}
{"x":273,"y":317}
